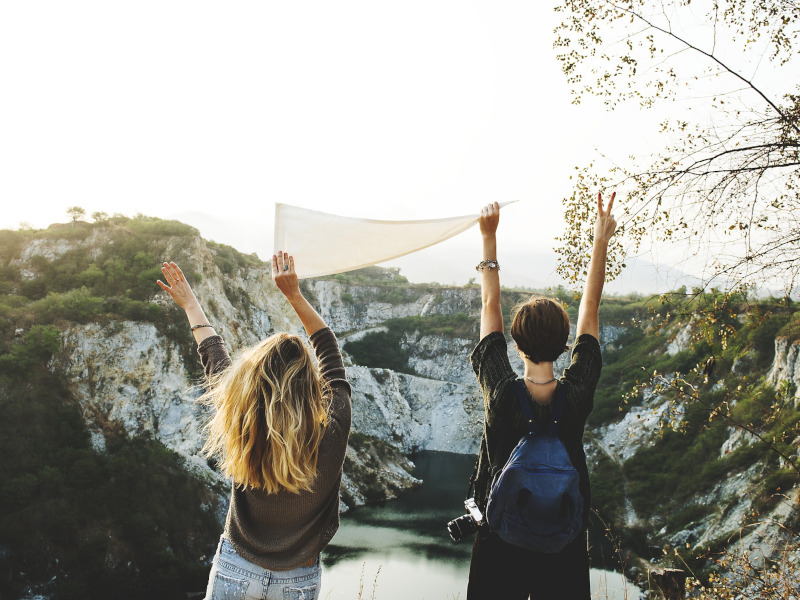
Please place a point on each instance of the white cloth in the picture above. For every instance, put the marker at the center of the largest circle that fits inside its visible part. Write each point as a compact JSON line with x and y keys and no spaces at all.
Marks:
{"x":324,"y":244}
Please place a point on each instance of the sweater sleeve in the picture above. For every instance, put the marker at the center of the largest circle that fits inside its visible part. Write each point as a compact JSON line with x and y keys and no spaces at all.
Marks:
{"x":583,"y":372}
{"x":490,"y":363}
{"x":332,"y":372}
{"x":213,"y":355}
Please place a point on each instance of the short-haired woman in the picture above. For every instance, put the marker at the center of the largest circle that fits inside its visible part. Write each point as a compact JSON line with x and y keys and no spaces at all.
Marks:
{"x":279,"y":428}
{"x":540,"y":329}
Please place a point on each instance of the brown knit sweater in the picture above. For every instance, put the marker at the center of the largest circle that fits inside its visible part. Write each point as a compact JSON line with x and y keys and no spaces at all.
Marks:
{"x":284,"y":531}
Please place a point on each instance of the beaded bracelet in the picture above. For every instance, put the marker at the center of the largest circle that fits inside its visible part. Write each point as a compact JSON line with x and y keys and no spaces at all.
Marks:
{"x":200,"y":325}
{"x":491,"y":263}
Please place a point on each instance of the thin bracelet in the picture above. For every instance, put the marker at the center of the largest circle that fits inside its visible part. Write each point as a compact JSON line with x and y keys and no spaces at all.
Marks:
{"x":491,"y":263}
{"x":200,"y":325}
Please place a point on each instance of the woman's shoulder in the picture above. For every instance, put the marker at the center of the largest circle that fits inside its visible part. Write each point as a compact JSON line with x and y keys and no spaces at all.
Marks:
{"x":588,"y":342}
{"x":492,"y":349}
{"x":572,"y":386}
{"x":490,"y":341}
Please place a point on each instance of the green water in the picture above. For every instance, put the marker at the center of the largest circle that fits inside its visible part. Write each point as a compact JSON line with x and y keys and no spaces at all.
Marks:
{"x":401,"y":549}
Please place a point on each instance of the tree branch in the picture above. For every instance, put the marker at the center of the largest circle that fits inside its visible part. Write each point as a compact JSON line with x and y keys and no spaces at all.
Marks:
{"x":706,"y":54}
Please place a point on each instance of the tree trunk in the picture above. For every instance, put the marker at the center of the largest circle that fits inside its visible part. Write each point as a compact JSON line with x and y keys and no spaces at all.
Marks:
{"x":671,"y":583}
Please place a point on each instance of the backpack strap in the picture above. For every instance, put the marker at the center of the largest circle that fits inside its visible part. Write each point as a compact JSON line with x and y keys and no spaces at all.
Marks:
{"x":525,"y":403}
{"x":535,"y":426}
{"x":558,"y":408}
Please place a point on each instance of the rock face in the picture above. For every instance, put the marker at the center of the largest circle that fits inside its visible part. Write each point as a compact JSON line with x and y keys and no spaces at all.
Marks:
{"x":372,"y":473}
{"x":640,"y":426}
{"x":349,"y":308}
{"x":131,"y":374}
{"x":728,"y":502}
{"x":128,"y":374}
{"x":786,"y":366}
{"x":414,"y":413}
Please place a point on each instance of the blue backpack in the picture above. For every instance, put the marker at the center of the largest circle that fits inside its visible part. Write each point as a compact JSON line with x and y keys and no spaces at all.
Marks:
{"x":535,"y":501}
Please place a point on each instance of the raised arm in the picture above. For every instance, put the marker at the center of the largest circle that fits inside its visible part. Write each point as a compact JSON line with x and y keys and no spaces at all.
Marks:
{"x":286,"y":279}
{"x":182,"y":294}
{"x":491,"y":314}
{"x":604,"y":227}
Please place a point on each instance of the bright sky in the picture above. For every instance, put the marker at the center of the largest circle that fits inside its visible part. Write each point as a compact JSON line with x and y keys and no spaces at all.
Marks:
{"x":211,"y":113}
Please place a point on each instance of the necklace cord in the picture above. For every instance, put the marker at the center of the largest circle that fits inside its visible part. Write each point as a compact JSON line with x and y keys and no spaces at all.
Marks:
{"x":539,"y":382}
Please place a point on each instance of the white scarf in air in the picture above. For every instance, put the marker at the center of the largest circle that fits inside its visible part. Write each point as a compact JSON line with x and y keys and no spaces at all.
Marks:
{"x":324,"y":244}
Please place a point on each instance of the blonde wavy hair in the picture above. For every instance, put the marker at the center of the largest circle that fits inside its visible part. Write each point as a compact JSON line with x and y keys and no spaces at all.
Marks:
{"x":270,"y":414}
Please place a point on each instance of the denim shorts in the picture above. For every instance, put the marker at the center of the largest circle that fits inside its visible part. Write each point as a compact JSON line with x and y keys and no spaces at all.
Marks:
{"x":234,"y":578}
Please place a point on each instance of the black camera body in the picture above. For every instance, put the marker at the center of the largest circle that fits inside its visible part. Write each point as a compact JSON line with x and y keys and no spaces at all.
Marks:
{"x":466,"y":524}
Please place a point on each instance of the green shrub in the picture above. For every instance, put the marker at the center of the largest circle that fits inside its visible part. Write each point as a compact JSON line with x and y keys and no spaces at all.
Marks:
{"x":128,"y":524}
{"x":791,"y":329}
{"x":762,"y":337}
{"x":371,"y":276}
{"x":383,"y":349}
{"x":754,"y":407}
{"x":36,"y":348}
{"x":676,"y":467}
{"x":92,"y":276}
{"x":608,"y":488}
{"x":228,"y":259}
{"x":780,"y":482}
{"x":459,"y":325}
{"x":688,"y":515}
{"x":11,"y":243}
{"x":75,"y":305}
{"x":152,"y":226}
{"x":380,"y":349}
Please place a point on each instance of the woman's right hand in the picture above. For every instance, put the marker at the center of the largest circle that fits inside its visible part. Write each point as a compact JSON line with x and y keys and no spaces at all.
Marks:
{"x":286,"y":279}
{"x":178,"y":288}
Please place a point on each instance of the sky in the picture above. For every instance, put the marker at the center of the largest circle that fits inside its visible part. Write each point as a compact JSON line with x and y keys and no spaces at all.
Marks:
{"x":211,"y":114}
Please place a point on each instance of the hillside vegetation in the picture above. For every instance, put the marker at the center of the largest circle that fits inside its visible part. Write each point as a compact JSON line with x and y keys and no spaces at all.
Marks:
{"x":125,"y":519}
{"x":129,"y":522}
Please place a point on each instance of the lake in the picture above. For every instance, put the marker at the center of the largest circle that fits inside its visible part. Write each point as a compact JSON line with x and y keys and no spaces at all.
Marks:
{"x":401,"y":549}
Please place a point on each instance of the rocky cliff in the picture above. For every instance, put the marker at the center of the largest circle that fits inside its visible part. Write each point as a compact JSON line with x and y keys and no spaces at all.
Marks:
{"x":136,"y":374}
{"x":785,"y":369}
{"x":129,"y":362}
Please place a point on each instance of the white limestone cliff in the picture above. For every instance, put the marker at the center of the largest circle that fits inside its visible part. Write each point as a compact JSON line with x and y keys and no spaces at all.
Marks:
{"x":785,"y":367}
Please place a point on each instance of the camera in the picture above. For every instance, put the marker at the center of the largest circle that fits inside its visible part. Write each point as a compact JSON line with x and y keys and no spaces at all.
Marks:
{"x":465,"y":524}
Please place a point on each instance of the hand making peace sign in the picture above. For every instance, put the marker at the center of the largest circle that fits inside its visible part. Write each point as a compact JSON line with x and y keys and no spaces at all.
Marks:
{"x":605,"y":225}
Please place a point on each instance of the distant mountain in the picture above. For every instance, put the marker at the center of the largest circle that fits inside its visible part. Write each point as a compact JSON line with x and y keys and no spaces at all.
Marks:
{"x":452,"y":262}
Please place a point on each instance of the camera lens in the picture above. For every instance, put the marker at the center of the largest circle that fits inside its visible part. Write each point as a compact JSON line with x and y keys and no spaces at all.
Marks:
{"x":461,"y":527}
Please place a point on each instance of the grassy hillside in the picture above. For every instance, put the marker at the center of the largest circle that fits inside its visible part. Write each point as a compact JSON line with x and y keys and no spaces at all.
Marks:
{"x":129,"y":522}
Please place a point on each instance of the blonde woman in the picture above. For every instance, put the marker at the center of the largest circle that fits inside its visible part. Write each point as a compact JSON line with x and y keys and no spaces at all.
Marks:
{"x":279,"y":430}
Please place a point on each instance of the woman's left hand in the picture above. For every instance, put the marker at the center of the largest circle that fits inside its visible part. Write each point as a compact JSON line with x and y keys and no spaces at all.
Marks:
{"x":284,"y":274}
{"x":489,"y":219}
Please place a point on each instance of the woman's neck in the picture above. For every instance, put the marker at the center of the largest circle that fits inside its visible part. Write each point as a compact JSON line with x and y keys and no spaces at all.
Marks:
{"x":539,"y":380}
{"x":539,"y":372}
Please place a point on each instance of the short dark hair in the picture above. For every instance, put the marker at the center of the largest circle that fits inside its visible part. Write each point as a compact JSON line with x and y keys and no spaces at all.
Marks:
{"x":540,"y":327}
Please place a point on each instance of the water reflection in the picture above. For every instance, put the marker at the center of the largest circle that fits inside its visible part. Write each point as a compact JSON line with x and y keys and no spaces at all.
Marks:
{"x":401,"y":550}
